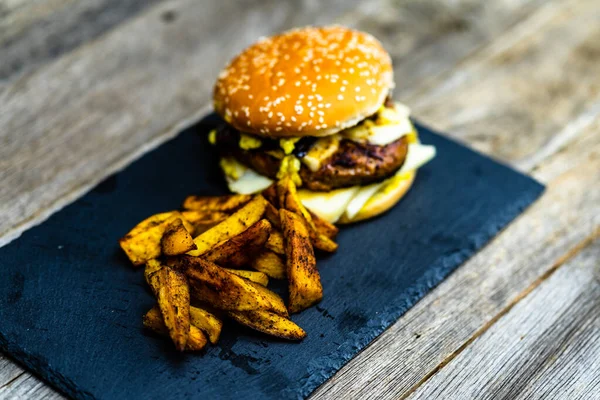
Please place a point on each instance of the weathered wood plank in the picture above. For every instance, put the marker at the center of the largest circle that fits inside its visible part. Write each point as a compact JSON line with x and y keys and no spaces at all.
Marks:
{"x":542,"y":349}
{"x":526,"y":95}
{"x":472,"y":298}
{"x":34,"y":32}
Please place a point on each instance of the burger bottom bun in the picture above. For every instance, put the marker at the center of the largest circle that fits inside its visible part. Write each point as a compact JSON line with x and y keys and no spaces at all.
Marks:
{"x":382,"y":200}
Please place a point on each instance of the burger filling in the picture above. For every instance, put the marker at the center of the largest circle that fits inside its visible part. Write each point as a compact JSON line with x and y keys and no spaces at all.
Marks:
{"x":338,"y":173}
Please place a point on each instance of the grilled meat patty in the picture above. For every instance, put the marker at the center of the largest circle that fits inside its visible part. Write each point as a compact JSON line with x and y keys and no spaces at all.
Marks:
{"x":352,"y":164}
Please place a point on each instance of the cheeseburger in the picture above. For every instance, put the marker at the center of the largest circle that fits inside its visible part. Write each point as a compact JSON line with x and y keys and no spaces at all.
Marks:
{"x":314,"y":104}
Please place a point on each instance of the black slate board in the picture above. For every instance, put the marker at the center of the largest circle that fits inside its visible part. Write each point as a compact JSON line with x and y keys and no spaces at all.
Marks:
{"x":71,"y":306}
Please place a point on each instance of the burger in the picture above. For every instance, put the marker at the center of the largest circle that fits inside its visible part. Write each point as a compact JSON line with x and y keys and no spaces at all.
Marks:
{"x":315,"y":104}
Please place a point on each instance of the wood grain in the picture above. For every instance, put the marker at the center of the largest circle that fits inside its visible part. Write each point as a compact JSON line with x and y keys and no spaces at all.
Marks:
{"x":530,"y":92}
{"x":542,"y":349}
{"x":32,"y":32}
{"x":472,"y":298}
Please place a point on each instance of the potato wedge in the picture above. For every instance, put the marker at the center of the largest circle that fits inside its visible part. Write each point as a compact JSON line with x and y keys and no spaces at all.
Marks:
{"x":227,"y":204}
{"x":270,"y":194}
{"x":323,"y":226}
{"x":171,"y":290}
{"x":233,"y":225}
{"x":206,"y":322}
{"x":242,"y":248}
{"x":269,"y":263}
{"x":224,"y":290}
{"x":286,"y":190}
{"x":176,"y":239}
{"x":272,"y":214}
{"x":203,"y":220}
{"x":142,"y":243}
{"x":275,"y":242}
{"x":153,"y":320}
{"x":269,"y":323}
{"x":305,"y":287}
{"x":255,"y":276}
{"x":151,"y":267}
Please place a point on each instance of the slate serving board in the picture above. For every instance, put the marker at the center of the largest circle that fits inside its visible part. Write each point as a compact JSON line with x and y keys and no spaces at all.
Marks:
{"x":71,"y":305}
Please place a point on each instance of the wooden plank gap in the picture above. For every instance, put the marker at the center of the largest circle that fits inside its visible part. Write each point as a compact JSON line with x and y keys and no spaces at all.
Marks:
{"x":484,"y":328}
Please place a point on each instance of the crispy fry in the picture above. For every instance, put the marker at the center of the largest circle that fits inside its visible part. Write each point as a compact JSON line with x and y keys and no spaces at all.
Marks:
{"x":323,"y":226}
{"x":151,"y":267}
{"x":270,"y":194}
{"x":275,"y":242}
{"x":203,"y":220}
{"x":255,"y":276}
{"x":176,"y":239}
{"x":154,"y":320}
{"x":206,"y":322}
{"x":304,"y":280}
{"x":225,"y":204}
{"x":286,"y":189}
{"x":142,"y":243}
{"x":240,"y":249}
{"x":269,"y":323}
{"x":224,"y":290}
{"x":272,"y":215}
{"x":233,"y":225}
{"x":171,"y":290}
{"x":269,"y":263}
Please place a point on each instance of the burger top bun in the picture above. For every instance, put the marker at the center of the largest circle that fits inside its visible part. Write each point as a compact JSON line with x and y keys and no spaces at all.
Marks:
{"x":313,"y":81}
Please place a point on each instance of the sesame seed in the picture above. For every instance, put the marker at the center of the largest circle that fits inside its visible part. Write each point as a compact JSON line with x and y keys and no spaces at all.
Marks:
{"x":340,"y":97}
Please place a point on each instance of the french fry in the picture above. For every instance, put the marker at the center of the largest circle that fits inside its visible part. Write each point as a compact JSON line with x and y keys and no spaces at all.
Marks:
{"x":224,"y":290}
{"x":275,"y":242}
{"x":171,"y":290}
{"x":269,"y":323}
{"x":270,"y":264}
{"x":323,"y":226}
{"x":206,"y":322}
{"x":142,"y":243}
{"x":154,"y":321}
{"x":203,"y":220}
{"x":240,"y":249}
{"x":233,"y":225}
{"x":224,"y":204}
{"x":151,"y":267}
{"x":176,"y":239}
{"x":286,"y":190}
{"x":270,"y":194}
{"x":305,"y":287}
{"x":255,"y":276}
{"x":272,"y":215}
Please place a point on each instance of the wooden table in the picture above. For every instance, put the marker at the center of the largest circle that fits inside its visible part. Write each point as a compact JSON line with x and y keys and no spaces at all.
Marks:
{"x":86,"y":87}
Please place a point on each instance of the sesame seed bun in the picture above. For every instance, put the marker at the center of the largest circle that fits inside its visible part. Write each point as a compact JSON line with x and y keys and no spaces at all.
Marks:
{"x":382,"y":200}
{"x":313,"y":81}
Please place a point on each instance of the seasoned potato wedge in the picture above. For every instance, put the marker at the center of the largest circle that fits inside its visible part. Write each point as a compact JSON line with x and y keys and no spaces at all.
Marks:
{"x":275,"y":242}
{"x":269,"y":323}
{"x":304,"y":280}
{"x":286,"y":190}
{"x":176,"y":239}
{"x":142,"y":243}
{"x":206,"y":322}
{"x":270,"y":194}
{"x":203,"y":220}
{"x":242,"y":248}
{"x":224,"y":290}
{"x":151,"y":267}
{"x":255,"y":276}
{"x":171,"y":290}
{"x":233,"y":225}
{"x":225,"y":204}
{"x":153,"y":319}
{"x":269,"y":263}
{"x":272,"y":214}
{"x":323,"y":226}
